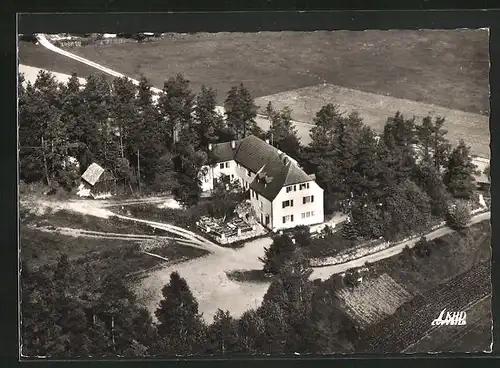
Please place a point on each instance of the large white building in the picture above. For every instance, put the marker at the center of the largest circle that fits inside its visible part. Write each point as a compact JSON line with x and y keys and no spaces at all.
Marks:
{"x":282,"y":194}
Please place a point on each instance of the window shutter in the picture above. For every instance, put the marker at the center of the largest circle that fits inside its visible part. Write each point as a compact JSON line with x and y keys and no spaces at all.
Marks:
{"x":291,"y":218}
{"x":312,"y":198}
{"x":291,"y":203}
{"x":303,"y":200}
{"x":284,"y":219}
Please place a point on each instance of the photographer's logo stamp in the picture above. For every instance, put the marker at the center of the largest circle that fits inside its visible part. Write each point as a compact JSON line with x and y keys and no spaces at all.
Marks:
{"x":450,"y":319}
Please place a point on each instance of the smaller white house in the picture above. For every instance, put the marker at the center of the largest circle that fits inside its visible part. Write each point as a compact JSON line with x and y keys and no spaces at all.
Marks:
{"x":282,"y":194}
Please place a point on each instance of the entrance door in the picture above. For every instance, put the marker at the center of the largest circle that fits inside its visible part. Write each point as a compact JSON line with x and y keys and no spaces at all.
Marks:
{"x":267,"y":220}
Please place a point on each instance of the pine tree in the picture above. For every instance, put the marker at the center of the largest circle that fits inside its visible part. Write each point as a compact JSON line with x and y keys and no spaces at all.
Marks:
{"x":97,"y":133}
{"x":399,"y":137}
{"x":144,"y":94}
{"x":222,"y":334}
{"x":188,"y":164}
{"x":287,"y":304}
{"x":42,"y":131}
{"x":176,"y":105}
{"x":251,"y":328}
{"x":209,"y":122}
{"x":283,"y":134}
{"x":365,"y":177}
{"x":180,"y":324}
{"x":240,"y":110}
{"x":432,"y":141}
{"x":124,"y":112}
{"x":280,"y":251}
{"x":459,"y":174}
{"x":324,"y":332}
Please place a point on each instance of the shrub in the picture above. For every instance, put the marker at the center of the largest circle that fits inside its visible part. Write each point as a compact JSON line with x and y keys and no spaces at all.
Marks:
{"x":349,"y":231}
{"x":351,"y":278}
{"x":423,"y":248}
{"x":459,"y":215}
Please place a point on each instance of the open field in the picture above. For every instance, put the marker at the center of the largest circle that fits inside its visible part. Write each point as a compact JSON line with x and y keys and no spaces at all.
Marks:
{"x":451,"y":255}
{"x":373,"y":300}
{"x":376,"y":108}
{"x":425,"y":66}
{"x":31,"y":55}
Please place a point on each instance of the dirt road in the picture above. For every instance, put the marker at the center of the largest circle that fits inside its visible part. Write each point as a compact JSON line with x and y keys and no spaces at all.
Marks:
{"x":207,"y":276}
{"x":325,"y":272}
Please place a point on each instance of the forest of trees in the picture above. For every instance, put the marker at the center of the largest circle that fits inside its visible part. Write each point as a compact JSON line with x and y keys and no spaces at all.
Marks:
{"x":118,"y":126}
{"x":386,"y":188}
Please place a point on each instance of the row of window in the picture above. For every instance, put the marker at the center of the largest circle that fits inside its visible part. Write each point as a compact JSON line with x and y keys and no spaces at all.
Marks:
{"x":305,"y":200}
{"x":226,"y":164}
{"x":307,"y":214}
{"x":289,"y":218}
{"x":294,"y":187}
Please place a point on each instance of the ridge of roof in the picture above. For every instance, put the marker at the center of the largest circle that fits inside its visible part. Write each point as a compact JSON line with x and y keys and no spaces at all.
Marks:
{"x":275,"y":168}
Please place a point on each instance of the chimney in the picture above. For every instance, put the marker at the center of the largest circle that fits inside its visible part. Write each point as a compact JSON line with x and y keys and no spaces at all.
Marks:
{"x":210,"y":146}
{"x":233,"y":144}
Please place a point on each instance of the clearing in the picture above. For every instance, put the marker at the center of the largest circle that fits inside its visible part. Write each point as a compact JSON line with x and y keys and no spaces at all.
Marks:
{"x":426,"y":66}
{"x":373,"y":300}
{"x":376,"y":108}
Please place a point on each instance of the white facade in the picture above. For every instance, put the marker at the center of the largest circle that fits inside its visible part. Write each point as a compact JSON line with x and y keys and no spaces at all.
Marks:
{"x":294,"y":205}
{"x":298,"y":204}
{"x":209,"y":173}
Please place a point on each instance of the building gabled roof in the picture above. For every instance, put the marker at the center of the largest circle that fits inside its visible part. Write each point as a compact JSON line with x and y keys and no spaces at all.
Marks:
{"x":95,"y":174}
{"x":223,"y":152}
{"x":274,"y":168}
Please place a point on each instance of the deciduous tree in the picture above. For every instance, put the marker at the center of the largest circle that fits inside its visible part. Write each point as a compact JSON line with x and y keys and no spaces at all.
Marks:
{"x":406,"y":210}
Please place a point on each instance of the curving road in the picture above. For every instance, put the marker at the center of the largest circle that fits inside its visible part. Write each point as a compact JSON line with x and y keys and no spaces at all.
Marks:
{"x":325,"y":272}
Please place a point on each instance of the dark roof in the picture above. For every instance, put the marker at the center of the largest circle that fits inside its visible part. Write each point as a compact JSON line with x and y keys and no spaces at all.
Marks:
{"x":255,"y":154}
{"x":223,"y":152}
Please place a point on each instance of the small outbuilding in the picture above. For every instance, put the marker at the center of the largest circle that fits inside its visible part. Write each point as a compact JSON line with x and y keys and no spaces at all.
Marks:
{"x":98,"y":180}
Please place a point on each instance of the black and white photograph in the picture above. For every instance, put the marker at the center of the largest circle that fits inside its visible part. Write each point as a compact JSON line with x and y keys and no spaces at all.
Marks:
{"x":254,"y":193}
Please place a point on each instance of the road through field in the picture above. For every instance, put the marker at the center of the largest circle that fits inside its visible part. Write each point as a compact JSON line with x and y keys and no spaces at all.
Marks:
{"x":325,"y":272}
{"x":207,"y":276}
